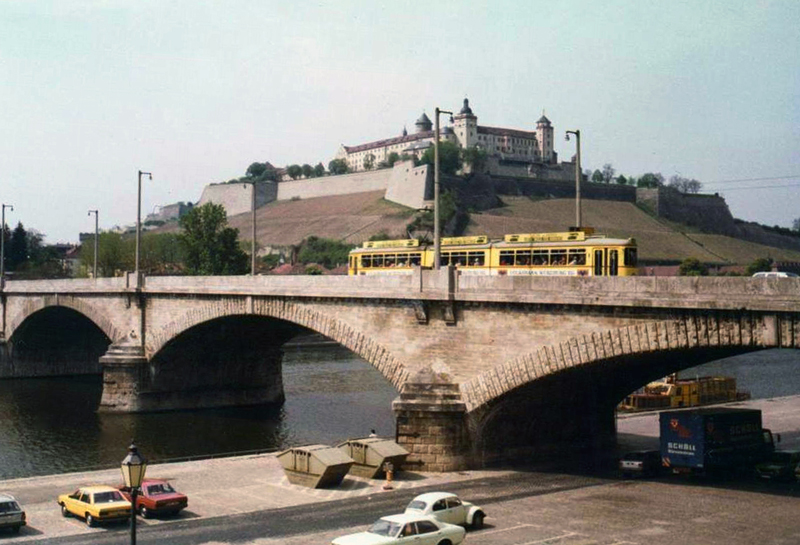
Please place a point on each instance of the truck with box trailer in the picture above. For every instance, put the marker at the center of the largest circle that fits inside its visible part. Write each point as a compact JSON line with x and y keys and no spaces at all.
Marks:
{"x":714,"y":440}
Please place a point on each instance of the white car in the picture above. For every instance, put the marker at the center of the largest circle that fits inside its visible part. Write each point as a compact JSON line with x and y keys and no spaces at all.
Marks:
{"x":447,"y":508}
{"x":403,"y":529}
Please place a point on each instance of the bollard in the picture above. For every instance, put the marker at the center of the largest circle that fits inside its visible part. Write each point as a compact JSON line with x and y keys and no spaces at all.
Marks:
{"x":389,"y":469}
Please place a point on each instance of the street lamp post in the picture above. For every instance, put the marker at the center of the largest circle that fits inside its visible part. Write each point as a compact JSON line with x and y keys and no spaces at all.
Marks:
{"x":436,"y":237}
{"x":139,"y":220}
{"x":577,"y":176}
{"x":253,"y":244}
{"x":96,"y":230}
{"x":133,"y":469}
{"x":3,"y":244}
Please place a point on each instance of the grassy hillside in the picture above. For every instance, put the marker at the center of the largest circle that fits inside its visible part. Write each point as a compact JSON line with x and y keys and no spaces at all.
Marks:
{"x":658,"y":241}
{"x":351,"y":218}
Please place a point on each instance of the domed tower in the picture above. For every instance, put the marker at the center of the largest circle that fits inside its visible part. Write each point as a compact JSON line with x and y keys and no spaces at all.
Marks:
{"x":465,"y":125}
{"x":424,"y":124}
{"x":544,"y":136}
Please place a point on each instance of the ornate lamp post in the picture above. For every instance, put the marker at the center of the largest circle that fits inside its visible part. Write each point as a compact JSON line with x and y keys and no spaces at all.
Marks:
{"x":253,"y":244}
{"x":577,"y":176}
{"x":133,"y":469}
{"x":96,"y":231}
{"x":3,"y":243}
{"x":139,"y":221}
{"x":436,"y":237}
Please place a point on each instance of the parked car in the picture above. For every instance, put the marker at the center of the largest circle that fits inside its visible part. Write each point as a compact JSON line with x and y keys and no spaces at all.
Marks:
{"x":406,"y":528}
{"x":95,"y":504}
{"x":447,"y":508}
{"x":156,"y":497}
{"x":11,"y":514}
{"x":781,"y":466}
{"x":642,"y":463}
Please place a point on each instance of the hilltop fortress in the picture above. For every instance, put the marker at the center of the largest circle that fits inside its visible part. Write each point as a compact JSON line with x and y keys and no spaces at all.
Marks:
{"x":510,"y":153}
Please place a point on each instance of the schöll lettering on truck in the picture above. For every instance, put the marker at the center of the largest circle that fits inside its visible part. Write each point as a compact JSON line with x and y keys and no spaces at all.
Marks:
{"x":701,"y":439}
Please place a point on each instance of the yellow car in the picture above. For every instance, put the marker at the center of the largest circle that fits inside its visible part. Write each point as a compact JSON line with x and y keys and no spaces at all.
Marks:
{"x":95,"y":504}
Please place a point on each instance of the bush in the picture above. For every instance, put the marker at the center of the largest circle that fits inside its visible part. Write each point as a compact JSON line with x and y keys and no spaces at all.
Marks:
{"x":313,"y":270}
{"x":691,"y":266}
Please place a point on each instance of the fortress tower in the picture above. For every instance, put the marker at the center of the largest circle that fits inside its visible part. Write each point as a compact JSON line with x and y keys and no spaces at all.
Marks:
{"x":544,"y":137}
{"x":465,"y":125}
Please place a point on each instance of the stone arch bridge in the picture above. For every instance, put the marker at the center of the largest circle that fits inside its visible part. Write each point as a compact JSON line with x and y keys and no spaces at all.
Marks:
{"x":487,"y":367}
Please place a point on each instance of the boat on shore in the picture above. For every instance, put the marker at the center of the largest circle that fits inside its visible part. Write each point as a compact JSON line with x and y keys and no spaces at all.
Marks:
{"x":672,"y":392}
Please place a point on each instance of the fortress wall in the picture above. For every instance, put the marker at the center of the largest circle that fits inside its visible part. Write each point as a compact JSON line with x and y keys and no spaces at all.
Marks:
{"x":357,"y":182}
{"x":563,"y":189}
{"x":237,"y":198}
{"x":410,"y":185}
{"x":707,"y":212}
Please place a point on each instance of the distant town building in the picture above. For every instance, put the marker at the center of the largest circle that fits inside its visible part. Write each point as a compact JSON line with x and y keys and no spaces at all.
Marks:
{"x":510,"y":151}
{"x":169,"y":212}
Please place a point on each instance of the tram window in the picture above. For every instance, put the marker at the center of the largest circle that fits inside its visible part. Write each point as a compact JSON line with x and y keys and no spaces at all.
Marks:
{"x":366,"y":261}
{"x":558,"y":257}
{"x":477,"y":259}
{"x":630,"y":257}
{"x":444,"y":259}
{"x":540,"y":257}
{"x":389,"y":261}
{"x":523,"y":258}
{"x":459,"y":259}
{"x":577,"y":257}
{"x":506,"y":257}
{"x":377,"y":260}
{"x":415,"y":260}
{"x":402,"y":260}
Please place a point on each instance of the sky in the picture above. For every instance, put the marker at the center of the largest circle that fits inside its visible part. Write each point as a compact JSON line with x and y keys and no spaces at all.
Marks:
{"x":91,"y":92}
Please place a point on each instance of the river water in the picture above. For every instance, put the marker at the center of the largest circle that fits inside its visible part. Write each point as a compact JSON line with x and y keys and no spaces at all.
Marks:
{"x":50,"y":425}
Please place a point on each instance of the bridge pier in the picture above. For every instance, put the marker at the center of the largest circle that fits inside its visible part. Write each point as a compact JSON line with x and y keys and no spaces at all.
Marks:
{"x":431,"y":426}
{"x":132,"y":383}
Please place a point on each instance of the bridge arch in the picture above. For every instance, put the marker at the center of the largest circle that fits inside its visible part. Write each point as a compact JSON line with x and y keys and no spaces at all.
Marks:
{"x":380,"y":357}
{"x":80,"y":305}
{"x":693,"y":333}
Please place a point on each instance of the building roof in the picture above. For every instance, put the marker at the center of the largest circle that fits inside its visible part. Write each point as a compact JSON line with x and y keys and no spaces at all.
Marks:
{"x":466,"y":110}
{"x":544,"y":120}
{"x":497,"y":131}
{"x":389,"y":141}
{"x":423,"y":120}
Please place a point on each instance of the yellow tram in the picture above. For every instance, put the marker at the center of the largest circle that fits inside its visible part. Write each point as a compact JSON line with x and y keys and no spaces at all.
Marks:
{"x":573,"y":253}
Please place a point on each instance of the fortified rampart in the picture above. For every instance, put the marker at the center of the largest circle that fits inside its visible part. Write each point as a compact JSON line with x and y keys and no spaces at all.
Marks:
{"x":404,"y":184}
{"x":709,"y":213}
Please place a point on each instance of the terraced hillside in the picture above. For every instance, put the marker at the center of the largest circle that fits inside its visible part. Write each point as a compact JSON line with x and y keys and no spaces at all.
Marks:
{"x":658,"y":241}
{"x":351,"y":218}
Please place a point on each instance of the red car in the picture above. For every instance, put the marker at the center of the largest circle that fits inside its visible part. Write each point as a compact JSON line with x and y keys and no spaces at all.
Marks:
{"x":156,"y":498}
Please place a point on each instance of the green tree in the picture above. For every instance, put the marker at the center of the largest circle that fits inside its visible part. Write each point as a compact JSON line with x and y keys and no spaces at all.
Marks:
{"x":114,"y":254}
{"x":449,"y":157}
{"x":691,"y":266}
{"x":762,"y":264}
{"x":622,"y":180}
{"x":423,"y":223}
{"x":392,"y":159}
{"x":211,"y":248}
{"x":294,"y":171}
{"x":17,"y":249}
{"x":369,"y":161}
{"x":308,"y":170}
{"x":338,"y":166}
{"x":261,"y":172}
{"x":319,"y":170}
{"x":608,"y":173}
{"x":324,"y":251}
{"x":597,"y":177}
{"x":651,"y":180}
{"x":475,"y":157}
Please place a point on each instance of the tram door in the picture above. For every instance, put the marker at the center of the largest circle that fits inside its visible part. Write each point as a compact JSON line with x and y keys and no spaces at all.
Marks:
{"x":598,"y":263}
{"x":606,"y":262}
